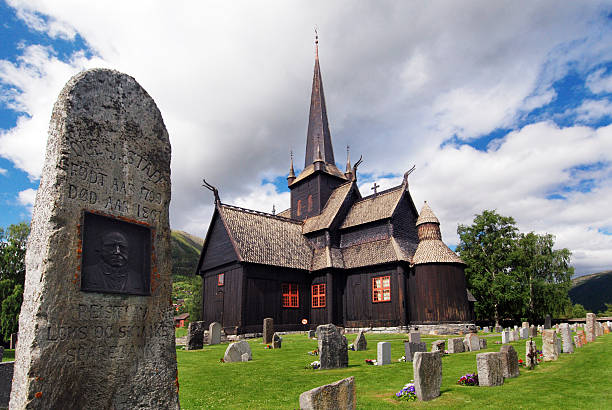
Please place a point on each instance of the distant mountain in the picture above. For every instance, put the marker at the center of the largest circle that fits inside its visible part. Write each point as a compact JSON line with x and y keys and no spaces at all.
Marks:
{"x":592,"y":291}
{"x":185,"y":253}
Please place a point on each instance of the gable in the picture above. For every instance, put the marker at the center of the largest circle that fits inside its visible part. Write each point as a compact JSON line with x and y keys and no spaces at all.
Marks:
{"x":330,"y":211}
{"x":373,"y":208}
{"x":218,"y":248}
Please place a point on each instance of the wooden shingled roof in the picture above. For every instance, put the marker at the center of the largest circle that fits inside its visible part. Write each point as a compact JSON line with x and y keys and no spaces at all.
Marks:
{"x":373,"y":208}
{"x":329,"y":212}
{"x":267,"y":239}
{"x":431,"y":249}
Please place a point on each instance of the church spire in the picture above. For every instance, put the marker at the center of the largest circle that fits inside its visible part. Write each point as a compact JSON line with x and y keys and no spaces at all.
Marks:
{"x":348,"y":172}
{"x":291,"y":176}
{"x":318,"y":136}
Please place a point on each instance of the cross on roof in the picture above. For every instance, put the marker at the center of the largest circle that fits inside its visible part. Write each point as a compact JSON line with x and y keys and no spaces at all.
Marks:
{"x":374,"y":187}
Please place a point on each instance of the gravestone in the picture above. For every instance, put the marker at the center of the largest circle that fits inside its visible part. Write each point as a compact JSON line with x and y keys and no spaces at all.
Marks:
{"x":6,"y":379}
{"x":483,"y":344}
{"x":486,"y":329}
{"x":268,"y":330}
{"x":490,"y":371}
{"x":599,"y":329}
{"x":338,"y":395}
{"x":214,"y":333}
{"x":525,"y":325}
{"x":577,"y":341}
{"x":498,"y":329}
{"x":516,"y":335}
{"x":531,"y":354}
{"x":533,"y":332}
{"x":438,"y":346}
{"x":333,"y":347}
{"x":606,"y":328}
{"x":590,"y":327}
{"x":312,"y":334}
{"x":566,"y":338}
{"x":13,"y":342}
{"x":360,"y":342}
{"x":410,"y":348}
{"x":505,"y":337}
{"x":510,"y":366}
{"x":236,"y":350}
{"x":414,"y":337}
{"x":277,"y":341}
{"x":383,"y":353}
{"x":455,"y":345}
{"x":582,"y":337}
{"x":523,"y":333}
{"x":550,"y":345}
{"x":473,"y":342}
{"x":427,"y":373}
{"x":195,"y":336}
{"x":96,"y":324}
{"x":547,"y":322}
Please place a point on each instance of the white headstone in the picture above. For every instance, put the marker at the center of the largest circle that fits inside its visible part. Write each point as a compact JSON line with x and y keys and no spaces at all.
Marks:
{"x":383,"y":353}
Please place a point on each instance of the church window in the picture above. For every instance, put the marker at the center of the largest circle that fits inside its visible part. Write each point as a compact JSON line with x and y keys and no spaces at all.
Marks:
{"x":318,"y":295}
{"x":309,"y":203}
{"x":299,"y":207}
{"x":290,"y":295}
{"x":381,"y":289}
{"x":221,"y":279}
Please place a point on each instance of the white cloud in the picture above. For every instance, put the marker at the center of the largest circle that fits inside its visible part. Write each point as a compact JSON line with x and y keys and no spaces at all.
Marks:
{"x":591,"y":110}
{"x":3,"y":171}
{"x":232,"y":81}
{"x":599,"y":83}
{"x":26,"y":199}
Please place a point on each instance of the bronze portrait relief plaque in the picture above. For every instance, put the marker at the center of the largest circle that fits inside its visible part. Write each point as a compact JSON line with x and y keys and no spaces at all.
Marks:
{"x":116,"y":256}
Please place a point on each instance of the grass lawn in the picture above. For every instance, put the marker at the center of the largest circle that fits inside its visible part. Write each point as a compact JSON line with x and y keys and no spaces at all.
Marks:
{"x":9,"y":355}
{"x":275,"y":378}
{"x":180,"y":331}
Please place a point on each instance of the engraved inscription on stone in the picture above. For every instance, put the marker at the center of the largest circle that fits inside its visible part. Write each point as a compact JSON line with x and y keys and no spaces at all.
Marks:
{"x":116,"y":256}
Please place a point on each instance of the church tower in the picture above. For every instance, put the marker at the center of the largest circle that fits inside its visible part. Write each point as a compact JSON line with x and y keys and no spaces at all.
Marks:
{"x":311,"y":189}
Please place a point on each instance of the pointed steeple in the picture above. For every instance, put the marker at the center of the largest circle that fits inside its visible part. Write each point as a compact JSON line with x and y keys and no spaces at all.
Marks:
{"x":291,"y":176}
{"x":318,"y":136}
{"x":348,"y":172}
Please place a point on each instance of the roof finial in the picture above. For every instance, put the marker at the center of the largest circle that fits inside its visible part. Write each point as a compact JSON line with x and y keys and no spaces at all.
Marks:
{"x":316,"y":42}
{"x":273,"y":209}
{"x":291,"y":176}
{"x":214,"y":190}
{"x":348,"y":172}
{"x":406,"y":174}
{"x":355,"y":167}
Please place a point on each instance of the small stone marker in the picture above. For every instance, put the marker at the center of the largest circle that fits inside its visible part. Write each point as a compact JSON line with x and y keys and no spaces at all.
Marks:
{"x":486,"y":329}
{"x":6,"y":379}
{"x":550,"y":345}
{"x":483,"y":344}
{"x":414,"y":337}
{"x":455,"y":345}
{"x":533,"y":332}
{"x":531,"y":355}
{"x":509,"y":358}
{"x":427,"y":371}
{"x":410,"y":348}
{"x":577,"y":341}
{"x":566,"y":338}
{"x":525,"y":325}
{"x":360,"y":342}
{"x":333,"y":347}
{"x":312,"y":334}
{"x":338,"y":395}
{"x":214,"y":333}
{"x":599,"y":329}
{"x":505,"y":337}
{"x":524,"y":333}
{"x":268,"y":330}
{"x":547,"y":322}
{"x":582,"y":336}
{"x":96,"y":325}
{"x":195,"y":336}
{"x":473,"y":342}
{"x":490,"y":371}
{"x":383,"y":353}
{"x":516,"y":335}
{"x":438,"y":346}
{"x":277,"y":341}
{"x":236,"y":350}
{"x":13,"y":342}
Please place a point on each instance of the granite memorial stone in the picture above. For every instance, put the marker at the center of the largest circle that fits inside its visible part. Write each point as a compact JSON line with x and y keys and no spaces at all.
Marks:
{"x":383,"y":353}
{"x":6,"y":379}
{"x":483,"y":344}
{"x":214,"y":333}
{"x":427,"y":373}
{"x":550,"y":345}
{"x":523,"y":333}
{"x":414,"y":337}
{"x":335,"y":396}
{"x":455,"y":345}
{"x":490,"y":370}
{"x":473,"y":342}
{"x":312,"y":334}
{"x":566,"y":338}
{"x":505,"y":337}
{"x":531,"y":354}
{"x":96,"y":324}
{"x":360,"y":342}
{"x":236,"y":350}
{"x":195,"y":336}
{"x":438,"y":346}
{"x":577,"y":341}
{"x":509,"y":358}
{"x":547,"y":322}
{"x":333,"y":347}
{"x":268,"y":330}
{"x":277,"y":341}
{"x":410,"y":348}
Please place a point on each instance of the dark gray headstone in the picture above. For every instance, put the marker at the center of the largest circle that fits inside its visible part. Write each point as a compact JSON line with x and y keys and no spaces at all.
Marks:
{"x":6,"y":379}
{"x":268,"y":330}
{"x":483,"y":343}
{"x":427,"y":371}
{"x":214,"y":333}
{"x":547,"y":322}
{"x":235,"y":351}
{"x":490,"y":370}
{"x":338,"y":395}
{"x":455,"y":345}
{"x":96,"y":324}
{"x":195,"y":336}
{"x":333,"y":347}
{"x":523,"y":333}
{"x":312,"y":334}
{"x":277,"y":341}
{"x":510,"y":367}
{"x":360,"y":342}
{"x":533,"y":331}
{"x":438,"y":346}
{"x":410,"y":348}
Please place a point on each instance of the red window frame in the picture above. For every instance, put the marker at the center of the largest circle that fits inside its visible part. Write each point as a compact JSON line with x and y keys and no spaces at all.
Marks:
{"x":381,"y":289}
{"x":318,"y":295}
{"x":299,"y":207}
{"x":309,"y":203}
{"x":291,"y":295}
{"x":221,"y":279}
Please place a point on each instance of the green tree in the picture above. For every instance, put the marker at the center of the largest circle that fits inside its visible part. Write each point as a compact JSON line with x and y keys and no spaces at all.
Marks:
{"x":545,"y":274}
{"x":607,"y":312}
{"x":575,"y":311}
{"x":487,"y":247}
{"x":187,"y":296}
{"x":12,"y":276}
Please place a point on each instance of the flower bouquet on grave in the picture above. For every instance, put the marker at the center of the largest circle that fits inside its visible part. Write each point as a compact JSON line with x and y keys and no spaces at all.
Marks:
{"x":370,"y":361}
{"x":268,"y":347}
{"x":314,"y":352}
{"x":521,"y":363}
{"x":221,"y":360}
{"x":407,"y":393}
{"x":314,"y":365}
{"x":402,"y":359}
{"x":351,"y":347}
{"x":469,"y":379}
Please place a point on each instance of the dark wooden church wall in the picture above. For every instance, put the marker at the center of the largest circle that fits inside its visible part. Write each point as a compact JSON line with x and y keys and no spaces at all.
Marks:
{"x":222,"y":303}
{"x":264,"y":298}
{"x":364,"y":233}
{"x":437,"y":294}
{"x":219,"y":248}
{"x":301,"y":192}
{"x":318,"y":316}
{"x":403,"y":222}
{"x":361,"y":311}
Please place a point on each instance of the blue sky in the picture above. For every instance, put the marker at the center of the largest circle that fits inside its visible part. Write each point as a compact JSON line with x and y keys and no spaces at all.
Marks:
{"x":500,"y":106}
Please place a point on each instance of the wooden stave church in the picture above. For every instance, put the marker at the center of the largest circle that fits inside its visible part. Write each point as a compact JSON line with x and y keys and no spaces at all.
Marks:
{"x":333,"y":256}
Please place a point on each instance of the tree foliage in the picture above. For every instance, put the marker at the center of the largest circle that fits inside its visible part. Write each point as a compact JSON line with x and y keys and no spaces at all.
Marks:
{"x":511,"y":274}
{"x":187,"y":296}
{"x":12,"y":276}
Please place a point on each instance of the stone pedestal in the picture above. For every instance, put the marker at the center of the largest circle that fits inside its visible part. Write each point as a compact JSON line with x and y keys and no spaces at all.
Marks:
{"x":427,"y":371}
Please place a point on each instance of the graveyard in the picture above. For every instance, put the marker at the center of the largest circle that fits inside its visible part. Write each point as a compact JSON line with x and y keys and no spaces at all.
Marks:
{"x":275,"y":378}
